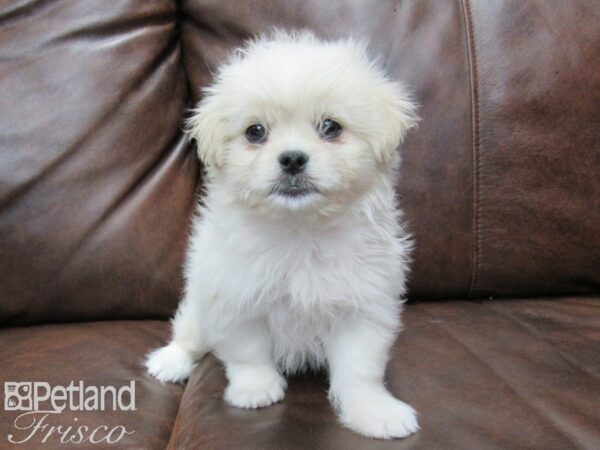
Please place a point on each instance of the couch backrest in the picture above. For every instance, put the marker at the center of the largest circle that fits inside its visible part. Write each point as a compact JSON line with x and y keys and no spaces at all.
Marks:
{"x":96,"y":179}
{"x":500,"y":183}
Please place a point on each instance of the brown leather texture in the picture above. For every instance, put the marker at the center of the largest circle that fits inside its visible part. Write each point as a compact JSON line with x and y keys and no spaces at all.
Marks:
{"x":97,"y":182}
{"x":99,"y":354}
{"x":96,"y":179}
{"x":500,"y":185}
{"x":536,"y":71}
{"x":492,"y":375}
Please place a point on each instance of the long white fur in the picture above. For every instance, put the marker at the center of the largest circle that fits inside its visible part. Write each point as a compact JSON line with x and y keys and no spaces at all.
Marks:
{"x":278,"y":284}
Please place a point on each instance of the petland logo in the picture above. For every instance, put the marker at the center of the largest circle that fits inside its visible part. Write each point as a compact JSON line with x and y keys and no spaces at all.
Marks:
{"x":39,"y":403}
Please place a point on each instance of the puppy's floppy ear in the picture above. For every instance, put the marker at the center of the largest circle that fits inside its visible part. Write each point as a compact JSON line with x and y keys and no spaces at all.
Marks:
{"x":398,"y":114}
{"x":207,"y":126}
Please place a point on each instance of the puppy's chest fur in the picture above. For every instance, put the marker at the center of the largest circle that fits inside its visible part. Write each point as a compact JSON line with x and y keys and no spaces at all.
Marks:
{"x":309,"y":272}
{"x":300,"y":281}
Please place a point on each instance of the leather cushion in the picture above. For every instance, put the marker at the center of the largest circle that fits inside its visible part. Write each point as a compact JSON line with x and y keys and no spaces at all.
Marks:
{"x":491,"y":375}
{"x":99,"y":354}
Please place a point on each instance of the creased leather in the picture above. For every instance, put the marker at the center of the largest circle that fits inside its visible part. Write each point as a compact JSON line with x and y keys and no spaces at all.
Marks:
{"x":489,"y":375}
{"x":96,"y":179}
{"x":100,"y":354}
{"x":499,"y":184}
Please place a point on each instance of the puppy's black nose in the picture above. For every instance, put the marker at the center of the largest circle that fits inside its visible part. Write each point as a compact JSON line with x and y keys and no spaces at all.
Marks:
{"x":293,"y":161}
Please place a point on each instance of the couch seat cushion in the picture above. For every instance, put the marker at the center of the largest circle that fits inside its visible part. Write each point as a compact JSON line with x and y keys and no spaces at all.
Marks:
{"x":491,"y":375}
{"x":98,"y":354}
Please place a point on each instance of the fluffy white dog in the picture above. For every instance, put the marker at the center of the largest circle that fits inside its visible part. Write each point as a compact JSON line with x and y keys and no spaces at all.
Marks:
{"x":297,"y":258}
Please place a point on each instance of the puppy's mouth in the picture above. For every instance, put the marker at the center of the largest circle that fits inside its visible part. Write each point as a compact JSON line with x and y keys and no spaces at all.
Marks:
{"x":294,"y":186}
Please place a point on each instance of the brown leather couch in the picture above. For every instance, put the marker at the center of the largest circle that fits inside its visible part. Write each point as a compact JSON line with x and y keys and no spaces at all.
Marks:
{"x":500,"y":184}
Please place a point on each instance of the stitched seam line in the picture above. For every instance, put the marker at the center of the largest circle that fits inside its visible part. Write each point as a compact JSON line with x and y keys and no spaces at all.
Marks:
{"x":474,"y":82}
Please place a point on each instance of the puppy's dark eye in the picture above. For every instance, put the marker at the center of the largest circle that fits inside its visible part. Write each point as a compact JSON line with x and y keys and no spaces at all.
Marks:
{"x":256,"y":134}
{"x":329,"y":129}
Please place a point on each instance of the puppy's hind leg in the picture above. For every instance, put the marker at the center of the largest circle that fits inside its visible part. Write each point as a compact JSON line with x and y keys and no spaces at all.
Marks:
{"x":254,"y":381}
{"x":174,"y":362}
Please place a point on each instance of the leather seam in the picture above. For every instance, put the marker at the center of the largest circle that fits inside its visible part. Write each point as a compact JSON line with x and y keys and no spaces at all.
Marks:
{"x":475,"y":124}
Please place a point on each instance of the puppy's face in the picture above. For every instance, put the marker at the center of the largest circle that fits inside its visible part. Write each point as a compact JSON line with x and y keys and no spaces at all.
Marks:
{"x":296,"y":124}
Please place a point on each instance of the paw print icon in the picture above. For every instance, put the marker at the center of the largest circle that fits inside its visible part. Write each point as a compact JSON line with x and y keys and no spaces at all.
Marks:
{"x":18,"y":396}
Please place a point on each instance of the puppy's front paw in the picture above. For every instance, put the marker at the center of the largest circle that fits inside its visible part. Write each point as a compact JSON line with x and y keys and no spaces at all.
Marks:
{"x":378,"y":415}
{"x":254,"y":387}
{"x":170,"y":364}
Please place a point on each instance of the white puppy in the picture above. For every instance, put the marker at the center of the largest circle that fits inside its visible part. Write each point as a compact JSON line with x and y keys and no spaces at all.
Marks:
{"x":297,"y":258}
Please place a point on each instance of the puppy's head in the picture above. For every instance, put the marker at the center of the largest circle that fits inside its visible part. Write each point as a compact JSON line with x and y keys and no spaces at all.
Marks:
{"x":293,"y":123}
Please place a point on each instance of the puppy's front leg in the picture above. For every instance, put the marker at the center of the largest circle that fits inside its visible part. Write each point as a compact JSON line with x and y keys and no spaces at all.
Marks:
{"x":357,"y":353}
{"x":254,"y":381}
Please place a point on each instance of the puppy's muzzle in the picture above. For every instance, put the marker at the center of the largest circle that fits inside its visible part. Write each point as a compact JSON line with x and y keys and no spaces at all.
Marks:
{"x":294,"y":186}
{"x":293,"y":181}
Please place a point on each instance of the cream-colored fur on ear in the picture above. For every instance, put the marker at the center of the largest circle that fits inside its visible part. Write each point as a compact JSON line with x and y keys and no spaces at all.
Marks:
{"x":398,"y":116}
{"x":207,"y":127}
